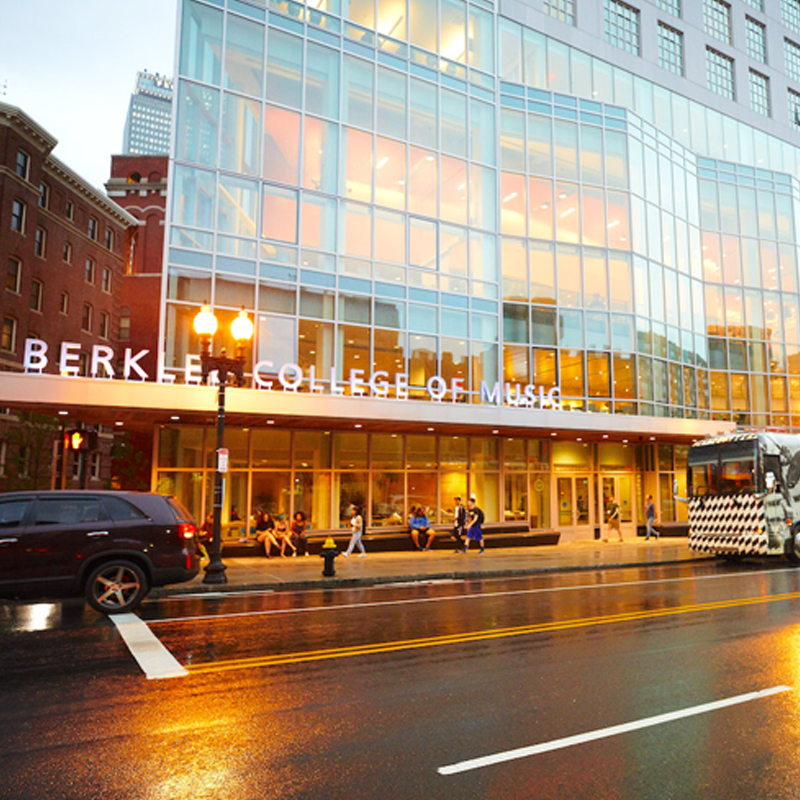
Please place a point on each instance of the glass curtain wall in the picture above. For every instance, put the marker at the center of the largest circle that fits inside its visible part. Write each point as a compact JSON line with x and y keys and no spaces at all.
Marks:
{"x":426,"y":188}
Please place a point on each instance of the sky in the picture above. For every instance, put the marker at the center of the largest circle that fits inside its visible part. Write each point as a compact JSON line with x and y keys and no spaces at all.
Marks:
{"x":71,"y":66}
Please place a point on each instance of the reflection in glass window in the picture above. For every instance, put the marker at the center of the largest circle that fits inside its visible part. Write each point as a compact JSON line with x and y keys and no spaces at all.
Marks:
{"x":198,"y":122}
{"x":320,"y":155}
{"x":284,"y":68}
{"x":390,"y":173}
{"x":238,"y":206}
{"x":201,"y":42}
{"x":453,"y":190}
{"x":322,"y":81}
{"x":193,"y":197}
{"x":241,"y":135}
{"x":423,"y":26}
{"x":281,"y":145}
{"x":244,"y":56}
{"x":279,"y":214}
{"x":357,"y":82}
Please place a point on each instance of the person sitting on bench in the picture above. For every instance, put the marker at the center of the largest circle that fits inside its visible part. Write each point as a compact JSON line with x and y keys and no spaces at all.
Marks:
{"x":418,"y":522}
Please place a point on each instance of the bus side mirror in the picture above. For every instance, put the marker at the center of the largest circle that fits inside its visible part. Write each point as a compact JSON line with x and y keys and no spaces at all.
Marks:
{"x":770,"y":481}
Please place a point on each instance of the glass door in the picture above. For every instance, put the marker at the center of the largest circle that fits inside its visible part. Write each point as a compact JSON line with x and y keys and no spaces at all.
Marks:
{"x":573,"y":495}
{"x":619,"y":489}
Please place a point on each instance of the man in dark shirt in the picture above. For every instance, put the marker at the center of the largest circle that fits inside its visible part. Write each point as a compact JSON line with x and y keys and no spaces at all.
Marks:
{"x":459,"y":524}
{"x":476,"y":518}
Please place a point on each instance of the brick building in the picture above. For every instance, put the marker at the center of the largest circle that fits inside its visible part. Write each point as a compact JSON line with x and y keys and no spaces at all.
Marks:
{"x":65,"y":248}
{"x":139,"y":185}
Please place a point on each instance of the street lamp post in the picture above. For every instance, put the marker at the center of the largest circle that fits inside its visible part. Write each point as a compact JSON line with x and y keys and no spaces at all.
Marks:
{"x":205,"y":325}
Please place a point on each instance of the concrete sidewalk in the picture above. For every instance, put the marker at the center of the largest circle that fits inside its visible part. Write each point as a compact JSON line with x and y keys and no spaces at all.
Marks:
{"x":379,"y":568}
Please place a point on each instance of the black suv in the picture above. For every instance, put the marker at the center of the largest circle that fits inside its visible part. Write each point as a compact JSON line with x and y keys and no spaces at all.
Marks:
{"x":110,"y":547}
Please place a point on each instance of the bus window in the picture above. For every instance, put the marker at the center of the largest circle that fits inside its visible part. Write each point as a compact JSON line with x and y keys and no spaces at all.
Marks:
{"x":703,"y":479}
{"x":738,"y":476}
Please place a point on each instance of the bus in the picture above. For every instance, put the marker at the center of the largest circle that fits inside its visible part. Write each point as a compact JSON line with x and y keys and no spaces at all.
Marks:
{"x":744,"y":495}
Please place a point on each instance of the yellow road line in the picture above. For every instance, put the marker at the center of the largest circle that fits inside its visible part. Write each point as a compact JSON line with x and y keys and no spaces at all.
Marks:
{"x":475,"y":636}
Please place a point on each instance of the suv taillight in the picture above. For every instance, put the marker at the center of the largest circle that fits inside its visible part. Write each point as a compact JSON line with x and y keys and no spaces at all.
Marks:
{"x":187,"y":530}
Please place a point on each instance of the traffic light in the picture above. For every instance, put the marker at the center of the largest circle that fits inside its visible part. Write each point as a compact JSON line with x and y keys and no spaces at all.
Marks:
{"x":79,"y":440}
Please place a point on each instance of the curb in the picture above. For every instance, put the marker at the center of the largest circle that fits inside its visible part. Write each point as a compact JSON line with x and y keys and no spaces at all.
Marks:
{"x":350,"y":583}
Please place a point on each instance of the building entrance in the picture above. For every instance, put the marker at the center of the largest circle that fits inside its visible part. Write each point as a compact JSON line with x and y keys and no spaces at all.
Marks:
{"x":575,"y":508}
{"x":619,"y":488}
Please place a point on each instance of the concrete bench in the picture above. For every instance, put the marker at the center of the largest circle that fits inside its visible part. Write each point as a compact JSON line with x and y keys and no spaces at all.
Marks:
{"x":397,"y":539}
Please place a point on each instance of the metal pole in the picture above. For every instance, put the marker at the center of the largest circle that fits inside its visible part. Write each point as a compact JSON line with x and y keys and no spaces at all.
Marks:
{"x":215,"y":569}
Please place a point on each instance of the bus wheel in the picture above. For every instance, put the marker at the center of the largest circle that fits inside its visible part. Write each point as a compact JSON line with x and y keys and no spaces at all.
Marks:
{"x":793,"y":547}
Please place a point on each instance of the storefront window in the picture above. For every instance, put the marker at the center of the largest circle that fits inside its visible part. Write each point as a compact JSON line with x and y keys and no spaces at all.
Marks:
{"x":312,"y":496}
{"x":388,"y":496}
{"x":188,"y":486}
{"x":350,"y":489}
{"x":271,"y":449}
{"x":271,"y":492}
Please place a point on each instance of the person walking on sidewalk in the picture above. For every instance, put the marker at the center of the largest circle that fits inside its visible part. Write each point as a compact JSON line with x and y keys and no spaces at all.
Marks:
{"x":474,"y":532}
{"x":459,"y":524}
{"x":650,"y":517}
{"x":613,"y":518}
{"x":357,"y":524}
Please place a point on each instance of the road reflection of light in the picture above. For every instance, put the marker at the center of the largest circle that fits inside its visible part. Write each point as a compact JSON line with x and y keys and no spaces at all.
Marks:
{"x":206,"y":780}
{"x":38,"y":617}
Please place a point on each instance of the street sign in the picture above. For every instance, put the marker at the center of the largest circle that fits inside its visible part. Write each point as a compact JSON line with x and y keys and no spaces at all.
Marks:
{"x":222,"y":459}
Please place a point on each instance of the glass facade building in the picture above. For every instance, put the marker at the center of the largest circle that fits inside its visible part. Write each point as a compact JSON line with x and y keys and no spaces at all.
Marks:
{"x":432,"y":189}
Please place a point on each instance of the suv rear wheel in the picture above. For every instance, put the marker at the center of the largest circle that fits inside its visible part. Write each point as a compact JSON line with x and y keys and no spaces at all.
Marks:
{"x":116,"y":587}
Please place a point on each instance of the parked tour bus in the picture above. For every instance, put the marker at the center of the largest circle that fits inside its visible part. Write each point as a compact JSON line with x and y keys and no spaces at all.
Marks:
{"x":744,"y":495}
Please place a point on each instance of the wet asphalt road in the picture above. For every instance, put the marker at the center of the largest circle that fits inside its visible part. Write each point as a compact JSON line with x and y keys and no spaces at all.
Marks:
{"x":369,"y":693}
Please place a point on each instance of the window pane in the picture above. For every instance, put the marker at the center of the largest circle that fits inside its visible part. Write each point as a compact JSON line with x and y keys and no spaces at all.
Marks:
{"x":423,"y":182}
{"x":281,"y":144}
{"x":279,"y":214}
{"x":284,"y":68}
{"x":453,"y":120}
{"x":197,"y":125}
{"x":201,"y":42}
{"x":241,"y":134}
{"x":244,"y":56}
{"x":391,"y":103}
{"x":318,"y":222}
{"x":238,"y":206}
{"x":358,"y":90}
{"x":320,"y":155}
{"x":454,"y":190}
{"x":424,"y":112}
{"x":193,"y":197}
{"x":322,"y":81}
{"x":390,"y":173}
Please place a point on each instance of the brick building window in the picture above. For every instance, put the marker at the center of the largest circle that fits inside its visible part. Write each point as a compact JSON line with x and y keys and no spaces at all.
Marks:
{"x":13,"y":275}
{"x":105,"y":325}
{"x":92,"y":228}
{"x":109,"y":239}
{"x":89,"y":271}
{"x":44,"y":195}
{"x":86,"y":318}
{"x":18,"y":213}
{"x":106,"y":281}
{"x":69,"y":210}
{"x":66,"y":253}
{"x":63,"y":304}
{"x":23,"y":166}
{"x":8,"y":338}
{"x":124,"y":324}
{"x":40,"y":242}
{"x":37,"y":294}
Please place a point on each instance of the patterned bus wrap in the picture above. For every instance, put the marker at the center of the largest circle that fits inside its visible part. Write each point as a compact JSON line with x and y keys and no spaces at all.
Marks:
{"x":728,"y":524}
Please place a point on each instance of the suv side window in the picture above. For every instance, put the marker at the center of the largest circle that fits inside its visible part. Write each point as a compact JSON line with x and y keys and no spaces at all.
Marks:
{"x":69,"y":511}
{"x":121,"y":510}
{"x":12,"y":512}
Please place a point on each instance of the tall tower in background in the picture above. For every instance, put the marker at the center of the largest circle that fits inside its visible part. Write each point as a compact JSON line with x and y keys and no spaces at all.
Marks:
{"x":147,"y":127}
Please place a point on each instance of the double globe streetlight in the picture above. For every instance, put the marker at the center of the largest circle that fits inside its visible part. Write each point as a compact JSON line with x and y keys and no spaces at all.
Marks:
{"x":205,"y":325}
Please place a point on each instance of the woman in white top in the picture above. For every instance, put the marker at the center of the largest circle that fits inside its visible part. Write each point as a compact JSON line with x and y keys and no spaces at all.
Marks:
{"x":357,"y":524}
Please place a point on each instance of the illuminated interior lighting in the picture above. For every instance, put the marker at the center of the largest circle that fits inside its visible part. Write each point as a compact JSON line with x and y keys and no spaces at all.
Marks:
{"x":509,"y":197}
{"x":382,"y":162}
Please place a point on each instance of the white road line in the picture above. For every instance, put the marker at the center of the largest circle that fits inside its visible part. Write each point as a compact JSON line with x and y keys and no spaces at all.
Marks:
{"x":154,"y":659}
{"x":414,"y":600}
{"x":604,"y":733}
